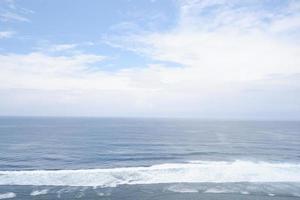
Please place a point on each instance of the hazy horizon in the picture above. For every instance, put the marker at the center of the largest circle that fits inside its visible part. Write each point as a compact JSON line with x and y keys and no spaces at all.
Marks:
{"x":184,"y":118}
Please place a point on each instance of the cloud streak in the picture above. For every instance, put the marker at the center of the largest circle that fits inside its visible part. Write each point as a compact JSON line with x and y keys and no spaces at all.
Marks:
{"x":11,"y":12}
{"x":6,"y":34}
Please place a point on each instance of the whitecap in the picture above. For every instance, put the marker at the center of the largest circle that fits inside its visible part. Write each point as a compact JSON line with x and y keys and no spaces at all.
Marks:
{"x":182,"y":189}
{"x":39,"y":192}
{"x":7,"y":195}
{"x":244,"y":192}
{"x":216,"y":190}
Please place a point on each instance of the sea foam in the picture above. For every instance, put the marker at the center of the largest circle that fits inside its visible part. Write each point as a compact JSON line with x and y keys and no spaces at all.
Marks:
{"x":8,"y":195}
{"x":191,"y":172}
{"x":39,"y":192}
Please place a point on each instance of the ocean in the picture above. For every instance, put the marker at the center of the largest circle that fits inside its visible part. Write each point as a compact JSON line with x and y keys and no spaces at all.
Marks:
{"x":148,"y":158}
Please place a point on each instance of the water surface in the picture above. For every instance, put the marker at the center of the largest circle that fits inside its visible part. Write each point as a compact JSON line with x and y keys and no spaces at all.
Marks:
{"x":105,"y":157}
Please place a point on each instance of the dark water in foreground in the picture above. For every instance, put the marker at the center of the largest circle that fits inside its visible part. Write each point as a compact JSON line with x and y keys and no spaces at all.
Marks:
{"x":104,"y":158}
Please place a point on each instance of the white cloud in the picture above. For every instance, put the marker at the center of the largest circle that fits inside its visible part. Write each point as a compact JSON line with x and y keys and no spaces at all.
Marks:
{"x":221,"y":56}
{"x":62,"y":47}
{"x":10,"y":16}
{"x":40,"y":71}
{"x":226,"y":48}
{"x":10,"y":11}
{"x":227,"y":60}
{"x":46,"y":46}
{"x":288,"y":23}
{"x":234,"y":44}
{"x":6,"y":34}
{"x":62,"y":85}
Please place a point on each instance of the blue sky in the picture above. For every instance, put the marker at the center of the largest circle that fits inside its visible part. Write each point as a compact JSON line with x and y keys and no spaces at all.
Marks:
{"x":152,"y":58}
{"x":42,"y":23}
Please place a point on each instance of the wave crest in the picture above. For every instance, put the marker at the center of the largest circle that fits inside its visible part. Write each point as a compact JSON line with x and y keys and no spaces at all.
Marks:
{"x":192,"y":172}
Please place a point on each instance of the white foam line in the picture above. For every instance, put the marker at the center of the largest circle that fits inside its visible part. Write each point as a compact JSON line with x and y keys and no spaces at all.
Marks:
{"x":194,"y":172}
{"x":182,"y":189}
{"x":39,"y":192}
{"x":8,"y":195}
{"x":216,"y":191}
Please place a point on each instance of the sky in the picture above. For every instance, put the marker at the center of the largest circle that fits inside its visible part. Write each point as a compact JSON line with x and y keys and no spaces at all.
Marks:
{"x":220,"y":59}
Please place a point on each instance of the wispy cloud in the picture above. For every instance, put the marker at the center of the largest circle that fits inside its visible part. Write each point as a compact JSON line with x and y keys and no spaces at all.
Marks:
{"x":10,"y":16}
{"x":225,"y":48}
{"x":39,"y":64}
{"x":6,"y":34}
{"x":223,"y":36}
{"x":62,"y":47}
{"x":11,"y":12}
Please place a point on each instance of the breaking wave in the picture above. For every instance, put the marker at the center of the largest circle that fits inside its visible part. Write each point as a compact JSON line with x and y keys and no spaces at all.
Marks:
{"x":190,"y":172}
{"x":39,"y":192}
{"x":8,"y":195}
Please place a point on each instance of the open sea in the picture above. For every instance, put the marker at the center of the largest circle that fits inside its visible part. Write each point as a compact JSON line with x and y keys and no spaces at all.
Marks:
{"x":143,"y":158}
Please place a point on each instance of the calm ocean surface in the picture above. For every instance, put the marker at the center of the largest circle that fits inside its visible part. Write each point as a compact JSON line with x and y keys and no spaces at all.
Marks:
{"x":123,"y":158}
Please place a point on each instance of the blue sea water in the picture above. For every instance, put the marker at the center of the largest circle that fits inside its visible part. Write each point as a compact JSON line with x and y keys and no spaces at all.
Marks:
{"x":144,"y":158}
